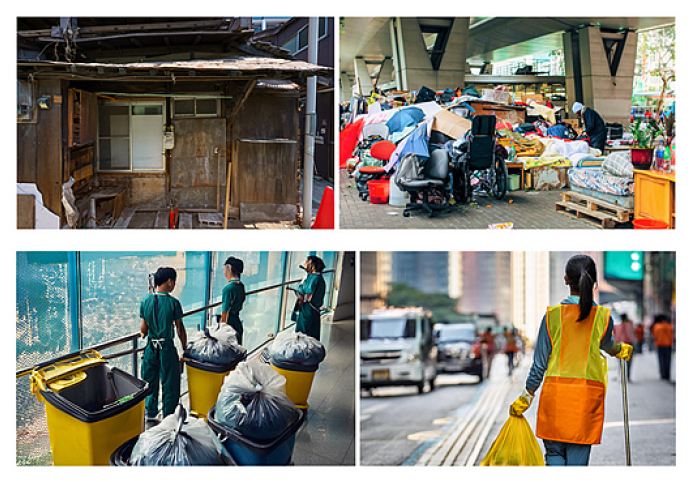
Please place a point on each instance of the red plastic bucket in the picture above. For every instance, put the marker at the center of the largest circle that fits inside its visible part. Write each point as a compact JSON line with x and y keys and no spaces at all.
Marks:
{"x":649,"y":224}
{"x":379,"y":191}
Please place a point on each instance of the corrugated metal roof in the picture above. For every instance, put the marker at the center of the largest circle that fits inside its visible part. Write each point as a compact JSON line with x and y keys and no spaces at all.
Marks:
{"x":244,"y":65}
{"x":274,"y":84}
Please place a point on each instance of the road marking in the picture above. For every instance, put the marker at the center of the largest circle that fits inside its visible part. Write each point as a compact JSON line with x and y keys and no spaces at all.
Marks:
{"x":634,"y":423}
{"x":427,"y":435}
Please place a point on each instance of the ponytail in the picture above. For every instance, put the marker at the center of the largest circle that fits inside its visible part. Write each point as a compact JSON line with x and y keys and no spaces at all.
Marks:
{"x":586,"y":295}
{"x":582,"y":273}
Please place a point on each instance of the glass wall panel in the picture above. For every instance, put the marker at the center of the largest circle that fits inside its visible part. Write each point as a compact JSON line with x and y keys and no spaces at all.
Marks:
{"x":43,"y":331}
{"x":260,"y":311}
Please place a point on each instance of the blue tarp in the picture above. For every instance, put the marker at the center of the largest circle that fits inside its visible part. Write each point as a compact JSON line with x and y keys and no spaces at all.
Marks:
{"x":409,"y":116}
{"x":417,"y":143}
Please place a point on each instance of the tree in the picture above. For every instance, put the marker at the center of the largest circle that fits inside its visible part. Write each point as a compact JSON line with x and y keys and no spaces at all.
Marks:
{"x":659,"y":58}
{"x":442,"y":307}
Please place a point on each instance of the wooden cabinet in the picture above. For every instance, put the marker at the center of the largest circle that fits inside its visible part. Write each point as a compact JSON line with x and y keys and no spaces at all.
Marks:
{"x":655,"y":196}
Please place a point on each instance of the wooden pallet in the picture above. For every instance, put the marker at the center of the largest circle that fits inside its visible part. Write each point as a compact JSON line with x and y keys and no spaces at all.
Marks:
{"x":593,"y":210}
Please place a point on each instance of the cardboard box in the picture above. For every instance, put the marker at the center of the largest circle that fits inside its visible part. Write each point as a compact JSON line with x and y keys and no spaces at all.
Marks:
{"x":546,"y":178}
{"x":451,"y":124}
{"x":574,"y":123}
{"x":539,"y":98}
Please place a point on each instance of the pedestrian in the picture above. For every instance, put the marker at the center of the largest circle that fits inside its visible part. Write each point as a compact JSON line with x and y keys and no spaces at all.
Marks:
{"x":594,"y":125}
{"x":570,"y":416}
{"x":159,"y":312}
{"x":639,"y":337}
{"x":663,"y":332}
{"x":233,"y":296}
{"x":510,"y":348}
{"x":311,"y":294}
{"x":624,"y":332}
{"x":490,"y":341}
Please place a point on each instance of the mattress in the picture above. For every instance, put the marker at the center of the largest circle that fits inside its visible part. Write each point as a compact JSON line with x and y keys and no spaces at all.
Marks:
{"x":590,"y":162}
{"x":623,"y":201}
{"x":531,"y":162}
{"x":596,"y":180}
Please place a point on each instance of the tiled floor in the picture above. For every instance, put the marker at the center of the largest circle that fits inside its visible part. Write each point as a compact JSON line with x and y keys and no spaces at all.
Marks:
{"x":528,"y":210}
{"x":329,"y":437}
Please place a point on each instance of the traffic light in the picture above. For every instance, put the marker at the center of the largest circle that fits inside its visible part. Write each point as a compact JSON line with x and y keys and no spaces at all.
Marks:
{"x":625,"y":265}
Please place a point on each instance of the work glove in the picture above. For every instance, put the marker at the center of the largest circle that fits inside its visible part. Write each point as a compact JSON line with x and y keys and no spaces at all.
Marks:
{"x":626,"y":351}
{"x":522,"y":403}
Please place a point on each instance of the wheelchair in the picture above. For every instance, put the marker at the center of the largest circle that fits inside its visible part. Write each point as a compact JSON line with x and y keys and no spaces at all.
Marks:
{"x":478,"y":166}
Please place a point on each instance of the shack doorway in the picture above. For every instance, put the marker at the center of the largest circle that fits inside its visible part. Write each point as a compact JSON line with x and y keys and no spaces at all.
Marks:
{"x":198,"y":164}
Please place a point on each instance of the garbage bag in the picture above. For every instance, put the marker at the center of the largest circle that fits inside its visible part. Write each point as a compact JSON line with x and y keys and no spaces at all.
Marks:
{"x":253,"y":402}
{"x":515,"y":445}
{"x":215,"y":344}
{"x":291,"y":350}
{"x":178,"y":440}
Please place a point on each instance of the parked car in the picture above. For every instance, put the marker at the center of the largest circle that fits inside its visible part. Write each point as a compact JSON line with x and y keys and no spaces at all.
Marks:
{"x":460,"y":350}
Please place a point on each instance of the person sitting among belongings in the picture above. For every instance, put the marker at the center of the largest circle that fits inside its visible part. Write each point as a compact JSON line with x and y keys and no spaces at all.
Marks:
{"x":595,"y":128}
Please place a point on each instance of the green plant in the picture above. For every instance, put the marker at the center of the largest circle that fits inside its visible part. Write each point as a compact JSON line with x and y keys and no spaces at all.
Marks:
{"x":646,"y":134}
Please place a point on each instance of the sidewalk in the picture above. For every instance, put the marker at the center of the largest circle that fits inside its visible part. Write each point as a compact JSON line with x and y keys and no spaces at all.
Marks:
{"x":651,"y":407}
{"x":528,"y":210}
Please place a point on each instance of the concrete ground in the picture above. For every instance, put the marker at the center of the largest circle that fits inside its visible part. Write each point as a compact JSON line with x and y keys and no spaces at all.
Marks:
{"x":651,"y":410}
{"x":528,"y":210}
{"x":151,"y":219}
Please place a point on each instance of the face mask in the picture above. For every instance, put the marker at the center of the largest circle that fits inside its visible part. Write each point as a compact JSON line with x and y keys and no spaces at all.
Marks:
{"x":302,"y":267}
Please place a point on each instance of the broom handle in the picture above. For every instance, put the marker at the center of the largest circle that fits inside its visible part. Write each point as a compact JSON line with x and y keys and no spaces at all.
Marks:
{"x":625,"y":410}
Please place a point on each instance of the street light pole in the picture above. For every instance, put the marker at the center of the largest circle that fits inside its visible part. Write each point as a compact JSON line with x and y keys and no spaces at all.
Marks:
{"x":309,"y":136}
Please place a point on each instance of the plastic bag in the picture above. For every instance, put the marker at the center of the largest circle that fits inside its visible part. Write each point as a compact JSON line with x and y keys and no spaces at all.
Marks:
{"x":253,"y":402}
{"x":515,"y":445}
{"x":296,"y":350}
{"x":215,"y":344}
{"x":178,"y":440}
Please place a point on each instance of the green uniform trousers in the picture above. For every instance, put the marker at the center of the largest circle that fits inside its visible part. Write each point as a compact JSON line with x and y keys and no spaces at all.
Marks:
{"x":161,"y":364}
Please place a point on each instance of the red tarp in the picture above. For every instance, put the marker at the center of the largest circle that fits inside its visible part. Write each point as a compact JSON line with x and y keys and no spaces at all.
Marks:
{"x":348,"y":139}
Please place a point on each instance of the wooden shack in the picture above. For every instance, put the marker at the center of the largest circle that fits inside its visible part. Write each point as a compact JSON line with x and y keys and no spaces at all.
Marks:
{"x":188,"y":121}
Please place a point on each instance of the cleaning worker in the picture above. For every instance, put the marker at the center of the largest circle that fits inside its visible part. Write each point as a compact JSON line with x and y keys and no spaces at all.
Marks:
{"x":594,"y":125}
{"x":567,"y":357}
{"x":312,"y":293}
{"x":663,"y":333}
{"x":490,"y":341}
{"x":159,"y":312}
{"x":510,"y":348}
{"x":233,"y":296}
{"x":625,"y":332}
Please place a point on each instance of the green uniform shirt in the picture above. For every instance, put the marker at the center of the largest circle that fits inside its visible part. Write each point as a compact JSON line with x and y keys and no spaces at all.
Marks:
{"x":232,"y":298}
{"x":309,"y":317}
{"x":169,"y":310}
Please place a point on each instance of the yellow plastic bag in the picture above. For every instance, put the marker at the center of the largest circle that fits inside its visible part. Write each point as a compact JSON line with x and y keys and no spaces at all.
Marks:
{"x":515,"y":445}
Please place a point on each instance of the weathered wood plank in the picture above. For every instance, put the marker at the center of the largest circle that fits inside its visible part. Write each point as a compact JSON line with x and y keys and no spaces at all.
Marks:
{"x":125,"y":217}
{"x":161,"y":220}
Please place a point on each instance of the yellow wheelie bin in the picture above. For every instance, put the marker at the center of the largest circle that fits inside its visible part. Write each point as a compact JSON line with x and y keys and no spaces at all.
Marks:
{"x":298,"y":383}
{"x":91,"y":407}
{"x":296,"y":356}
{"x":204,"y":382}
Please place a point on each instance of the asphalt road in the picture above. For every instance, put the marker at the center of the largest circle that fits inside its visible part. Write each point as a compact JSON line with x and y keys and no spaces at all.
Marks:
{"x":396,"y":422}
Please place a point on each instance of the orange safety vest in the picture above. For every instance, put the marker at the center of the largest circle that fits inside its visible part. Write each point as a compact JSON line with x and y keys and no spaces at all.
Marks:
{"x":571,"y":406}
{"x":663,"y":334}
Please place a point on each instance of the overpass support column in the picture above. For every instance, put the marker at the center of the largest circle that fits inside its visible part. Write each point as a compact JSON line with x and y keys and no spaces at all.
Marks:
{"x":346,"y":87}
{"x":364,"y":82}
{"x":599,"y":69}
{"x":413,"y":64}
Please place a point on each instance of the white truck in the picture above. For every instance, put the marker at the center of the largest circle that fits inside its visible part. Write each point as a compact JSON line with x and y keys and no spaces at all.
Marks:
{"x":397,"y":348}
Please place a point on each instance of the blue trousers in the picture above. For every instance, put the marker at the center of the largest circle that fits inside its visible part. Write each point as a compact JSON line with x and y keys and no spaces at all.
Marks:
{"x":561,"y":453}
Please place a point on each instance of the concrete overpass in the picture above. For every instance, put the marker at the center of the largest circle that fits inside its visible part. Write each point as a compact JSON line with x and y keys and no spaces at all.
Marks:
{"x":407,"y":52}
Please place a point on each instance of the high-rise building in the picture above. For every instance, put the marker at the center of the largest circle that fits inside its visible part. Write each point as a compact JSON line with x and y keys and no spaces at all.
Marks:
{"x":487,"y":284}
{"x":427,"y":271}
